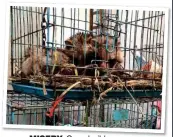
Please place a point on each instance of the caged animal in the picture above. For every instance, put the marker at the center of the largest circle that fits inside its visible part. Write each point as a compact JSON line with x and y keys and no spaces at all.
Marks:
{"x":35,"y":60}
{"x":77,"y":41}
{"x":77,"y":47}
{"x":36,"y":64}
{"x":95,"y":49}
{"x":82,"y":51}
{"x":62,"y":62}
{"x":114,"y":57}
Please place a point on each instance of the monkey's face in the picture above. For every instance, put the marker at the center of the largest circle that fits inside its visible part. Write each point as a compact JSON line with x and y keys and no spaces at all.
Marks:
{"x":80,"y":46}
{"x":87,"y":48}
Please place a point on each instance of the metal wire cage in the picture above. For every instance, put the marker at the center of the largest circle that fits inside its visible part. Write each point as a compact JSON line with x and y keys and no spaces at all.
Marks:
{"x":30,"y":110}
{"x":118,"y":53}
{"x":137,"y":56}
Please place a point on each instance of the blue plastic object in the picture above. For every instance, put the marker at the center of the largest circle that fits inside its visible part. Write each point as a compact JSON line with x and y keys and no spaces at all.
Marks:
{"x":32,"y":90}
{"x":119,"y":115}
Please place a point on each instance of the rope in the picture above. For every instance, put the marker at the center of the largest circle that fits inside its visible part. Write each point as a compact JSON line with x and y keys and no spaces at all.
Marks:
{"x":44,"y":87}
{"x":55,"y":61}
{"x":130,"y":94}
{"x":106,"y":91}
{"x":96,"y":82}
{"x":59,"y":99}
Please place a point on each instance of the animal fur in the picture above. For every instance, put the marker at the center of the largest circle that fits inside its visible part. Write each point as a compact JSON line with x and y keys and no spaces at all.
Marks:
{"x":113,"y":57}
{"x":77,"y":46}
{"x":78,"y":42}
{"x":34,"y":62}
{"x":59,"y":57}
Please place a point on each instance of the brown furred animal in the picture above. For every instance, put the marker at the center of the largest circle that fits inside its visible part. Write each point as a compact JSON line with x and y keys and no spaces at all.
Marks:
{"x":116,"y":56}
{"x":34,"y":62}
{"x":58,"y":57}
{"x":95,"y":49}
{"x":78,"y":47}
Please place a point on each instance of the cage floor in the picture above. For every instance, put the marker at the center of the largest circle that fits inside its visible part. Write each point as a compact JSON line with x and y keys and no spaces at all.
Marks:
{"x":83,"y":93}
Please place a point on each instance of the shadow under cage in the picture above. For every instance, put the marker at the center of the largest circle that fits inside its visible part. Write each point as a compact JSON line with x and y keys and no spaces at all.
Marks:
{"x":85,"y":67}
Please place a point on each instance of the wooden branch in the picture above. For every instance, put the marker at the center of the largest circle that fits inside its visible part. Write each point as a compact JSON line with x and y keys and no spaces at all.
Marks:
{"x":91,"y":19}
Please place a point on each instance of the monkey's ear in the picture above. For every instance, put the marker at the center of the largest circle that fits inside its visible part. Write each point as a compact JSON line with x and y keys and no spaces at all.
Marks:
{"x":68,"y":42}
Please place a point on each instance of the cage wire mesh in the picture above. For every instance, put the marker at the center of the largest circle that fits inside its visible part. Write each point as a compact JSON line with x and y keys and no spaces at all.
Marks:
{"x":118,"y":50}
{"x":123,"y":113}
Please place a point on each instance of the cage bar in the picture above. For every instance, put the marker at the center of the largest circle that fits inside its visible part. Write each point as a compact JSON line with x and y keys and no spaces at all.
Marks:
{"x":85,"y":43}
